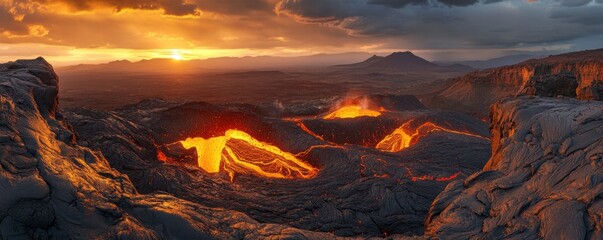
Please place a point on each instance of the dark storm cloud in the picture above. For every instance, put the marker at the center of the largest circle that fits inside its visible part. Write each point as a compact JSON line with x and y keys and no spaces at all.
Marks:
{"x":586,"y":15}
{"x":320,"y":11}
{"x":233,"y":6}
{"x":574,"y":3}
{"x":404,"y":3}
{"x":398,"y":3}
{"x":458,"y":3}
{"x":425,"y":25}
{"x":491,"y":1}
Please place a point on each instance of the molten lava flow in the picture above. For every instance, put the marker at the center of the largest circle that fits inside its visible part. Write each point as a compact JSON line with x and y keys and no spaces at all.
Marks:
{"x":303,"y":127}
{"x":432,"y":178}
{"x":404,"y":137}
{"x":238,"y":152}
{"x":353,"y":107}
{"x":161,"y":156}
{"x":352,"y":111}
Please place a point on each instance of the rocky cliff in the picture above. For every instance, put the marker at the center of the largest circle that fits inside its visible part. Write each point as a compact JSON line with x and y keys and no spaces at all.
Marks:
{"x":544,"y":179}
{"x":52,"y":188}
{"x":475,"y":91}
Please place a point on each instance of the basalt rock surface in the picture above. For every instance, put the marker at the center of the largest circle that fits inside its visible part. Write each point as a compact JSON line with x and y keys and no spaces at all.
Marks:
{"x":359,"y":191}
{"x":476,"y":91}
{"x":53,"y":188}
{"x":550,"y":86}
{"x":544,"y":179}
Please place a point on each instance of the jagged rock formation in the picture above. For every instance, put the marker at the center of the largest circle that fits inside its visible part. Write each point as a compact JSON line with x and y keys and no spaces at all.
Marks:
{"x":550,"y":86}
{"x":475,"y":91}
{"x":52,"y":188}
{"x":544,"y":179}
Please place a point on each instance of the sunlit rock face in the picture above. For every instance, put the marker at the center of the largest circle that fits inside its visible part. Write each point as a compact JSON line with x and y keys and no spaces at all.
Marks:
{"x":53,"y":188}
{"x":475,"y":91}
{"x":563,"y":84}
{"x":544,"y":179}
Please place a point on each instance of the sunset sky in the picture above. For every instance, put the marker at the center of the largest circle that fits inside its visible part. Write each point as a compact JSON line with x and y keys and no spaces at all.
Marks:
{"x":72,"y":31}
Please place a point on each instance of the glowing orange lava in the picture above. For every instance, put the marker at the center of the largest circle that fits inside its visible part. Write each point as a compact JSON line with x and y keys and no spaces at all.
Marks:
{"x":404,"y":136}
{"x":238,"y":152}
{"x":352,"y":111}
{"x":440,"y":179}
{"x":303,"y":127}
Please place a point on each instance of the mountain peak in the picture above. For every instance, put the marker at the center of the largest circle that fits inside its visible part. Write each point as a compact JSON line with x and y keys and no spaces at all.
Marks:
{"x":407,"y":60}
{"x":406,"y":53}
{"x":402,"y":61}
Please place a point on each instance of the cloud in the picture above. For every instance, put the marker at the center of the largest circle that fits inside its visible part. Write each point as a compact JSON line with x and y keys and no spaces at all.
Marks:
{"x":170,"y":7}
{"x":586,"y":15}
{"x":497,"y":1}
{"x":460,"y":3}
{"x":398,"y":3}
{"x":237,"y":7}
{"x":424,"y":25}
{"x":301,"y":25}
{"x":9,"y":24}
{"x":404,"y":3}
{"x":574,"y":3}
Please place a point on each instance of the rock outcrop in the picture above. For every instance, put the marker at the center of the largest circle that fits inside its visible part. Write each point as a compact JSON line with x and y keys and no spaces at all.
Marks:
{"x":550,"y":86}
{"x":52,"y":188}
{"x":544,"y":179}
{"x":475,"y":91}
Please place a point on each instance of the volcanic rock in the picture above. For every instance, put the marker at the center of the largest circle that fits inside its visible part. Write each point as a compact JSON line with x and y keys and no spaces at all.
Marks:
{"x":52,"y":188}
{"x":358,"y":191}
{"x":544,"y":179}
{"x":476,"y":91}
{"x":550,"y":86}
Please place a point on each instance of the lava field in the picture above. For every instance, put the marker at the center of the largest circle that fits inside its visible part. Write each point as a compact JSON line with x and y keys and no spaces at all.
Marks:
{"x":359,"y":166}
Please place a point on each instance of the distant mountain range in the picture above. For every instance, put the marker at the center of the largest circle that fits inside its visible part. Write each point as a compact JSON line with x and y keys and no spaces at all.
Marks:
{"x":492,"y":63}
{"x":258,"y":63}
{"x":396,"y":62}
{"x":402,"y":61}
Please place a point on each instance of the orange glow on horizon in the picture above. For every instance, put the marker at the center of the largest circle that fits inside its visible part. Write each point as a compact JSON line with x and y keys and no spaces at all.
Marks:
{"x":176,"y":55}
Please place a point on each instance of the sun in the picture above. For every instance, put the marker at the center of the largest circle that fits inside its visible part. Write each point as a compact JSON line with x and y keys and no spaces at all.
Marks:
{"x":176,"y":55}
